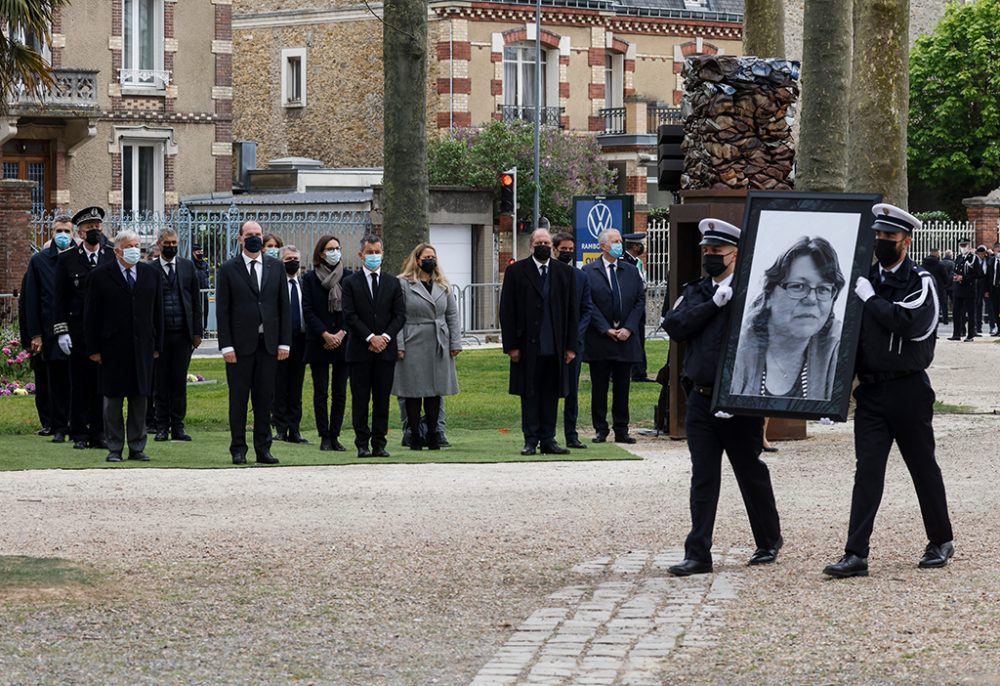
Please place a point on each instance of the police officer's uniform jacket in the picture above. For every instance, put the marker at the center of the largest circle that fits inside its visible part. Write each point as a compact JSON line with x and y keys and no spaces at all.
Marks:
{"x":698,"y":321}
{"x":72,"y":278}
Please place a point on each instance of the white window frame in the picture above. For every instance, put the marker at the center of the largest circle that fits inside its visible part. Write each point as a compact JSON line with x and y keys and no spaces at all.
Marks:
{"x":43,"y":48}
{"x":159,"y":147}
{"x":550,"y":59}
{"x":614,"y":92}
{"x":131,"y":75}
{"x":288,"y":55}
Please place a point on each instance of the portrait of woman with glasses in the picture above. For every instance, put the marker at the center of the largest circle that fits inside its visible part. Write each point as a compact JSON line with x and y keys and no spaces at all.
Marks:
{"x":790,"y":337}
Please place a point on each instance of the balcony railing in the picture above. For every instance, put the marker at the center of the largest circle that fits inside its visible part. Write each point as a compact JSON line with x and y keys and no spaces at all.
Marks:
{"x":551,"y":116}
{"x":658,"y":115}
{"x":74,"y":88}
{"x":614,"y":120}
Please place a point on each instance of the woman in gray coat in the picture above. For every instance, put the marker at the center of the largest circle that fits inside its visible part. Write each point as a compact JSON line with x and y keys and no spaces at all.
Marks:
{"x":428,"y":344}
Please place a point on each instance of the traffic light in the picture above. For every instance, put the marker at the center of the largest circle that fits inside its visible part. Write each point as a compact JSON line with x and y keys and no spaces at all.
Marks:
{"x":670,"y":156}
{"x":508,"y":191}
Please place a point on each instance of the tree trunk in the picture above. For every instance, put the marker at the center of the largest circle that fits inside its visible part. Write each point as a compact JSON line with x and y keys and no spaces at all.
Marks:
{"x":880,"y":99}
{"x":404,"y":198}
{"x":821,"y":161}
{"x":764,"y":28}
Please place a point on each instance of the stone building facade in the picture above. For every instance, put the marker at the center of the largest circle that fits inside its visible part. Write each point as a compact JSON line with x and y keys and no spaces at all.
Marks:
{"x":141,"y":113}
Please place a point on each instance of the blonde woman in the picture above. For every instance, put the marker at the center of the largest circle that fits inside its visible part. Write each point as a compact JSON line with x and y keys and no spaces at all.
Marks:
{"x":429,"y":343}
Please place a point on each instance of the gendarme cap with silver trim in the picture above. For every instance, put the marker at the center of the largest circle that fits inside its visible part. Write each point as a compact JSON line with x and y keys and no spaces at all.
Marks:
{"x":892,"y":219}
{"x":718,"y":232}
{"x":88,"y":214}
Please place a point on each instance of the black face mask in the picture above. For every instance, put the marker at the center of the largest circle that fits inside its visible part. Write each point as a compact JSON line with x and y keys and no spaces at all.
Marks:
{"x":542,"y":252}
{"x":169,"y":252}
{"x":886,"y":252}
{"x":429,"y":265}
{"x":714,"y":264}
{"x":253,"y":243}
{"x":292,"y":267}
{"x":566,"y":257}
{"x":93,"y":237}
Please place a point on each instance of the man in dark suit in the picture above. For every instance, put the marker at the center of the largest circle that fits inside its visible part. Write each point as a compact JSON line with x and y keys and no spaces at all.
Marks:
{"x":614,"y":336}
{"x":375,"y":312}
{"x":287,"y":415}
{"x":38,"y":307}
{"x":73,"y":269}
{"x":202,"y":269}
{"x":967,"y":275}
{"x":254,"y":335}
{"x":565,"y":247}
{"x":182,"y":325}
{"x":538,"y":322}
{"x":124,"y":324}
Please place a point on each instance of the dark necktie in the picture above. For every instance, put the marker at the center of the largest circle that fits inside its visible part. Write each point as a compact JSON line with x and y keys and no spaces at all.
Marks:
{"x":253,"y":276}
{"x":93,"y":259}
{"x":616,"y":296}
{"x":374,"y":286}
{"x":129,"y":278}
{"x":294,"y":301}
{"x":545,"y":281}
{"x":170,"y":274}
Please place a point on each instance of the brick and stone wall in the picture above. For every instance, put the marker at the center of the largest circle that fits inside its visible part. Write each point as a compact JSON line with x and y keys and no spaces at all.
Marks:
{"x":15,"y":232}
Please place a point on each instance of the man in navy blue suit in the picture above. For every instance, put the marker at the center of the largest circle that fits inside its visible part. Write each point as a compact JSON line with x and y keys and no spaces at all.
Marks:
{"x":565,"y":251}
{"x":613,"y":339}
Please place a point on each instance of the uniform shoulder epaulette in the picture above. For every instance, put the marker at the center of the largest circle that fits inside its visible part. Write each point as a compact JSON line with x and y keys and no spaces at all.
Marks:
{"x":691,"y":283}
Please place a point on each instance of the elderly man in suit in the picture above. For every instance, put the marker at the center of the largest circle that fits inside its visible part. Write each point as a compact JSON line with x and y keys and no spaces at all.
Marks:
{"x":124,"y":324}
{"x":182,"y":324}
{"x":375,"y":312}
{"x":538,"y":322}
{"x":614,"y":337}
{"x":255,"y":333}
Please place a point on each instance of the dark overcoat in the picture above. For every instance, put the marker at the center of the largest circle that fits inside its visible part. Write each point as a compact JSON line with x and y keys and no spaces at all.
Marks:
{"x":319,"y":319}
{"x":124,"y":325}
{"x":364,"y":317}
{"x":600,"y":346}
{"x":38,"y":299}
{"x":521,"y":320}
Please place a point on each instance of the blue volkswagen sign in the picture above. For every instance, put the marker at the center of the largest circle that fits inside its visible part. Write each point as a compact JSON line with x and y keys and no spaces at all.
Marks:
{"x":593,"y":214}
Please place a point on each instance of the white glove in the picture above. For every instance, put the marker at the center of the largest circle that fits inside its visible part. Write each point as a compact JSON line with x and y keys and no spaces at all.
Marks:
{"x":723,"y":415}
{"x":722,"y":295}
{"x":65,"y":343}
{"x":826,"y":421}
{"x":863,"y":287}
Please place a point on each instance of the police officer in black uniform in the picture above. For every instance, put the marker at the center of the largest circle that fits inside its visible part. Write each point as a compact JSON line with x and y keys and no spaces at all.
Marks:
{"x":73,"y":270}
{"x":895,"y":401}
{"x":967,"y":275}
{"x":700,"y":318}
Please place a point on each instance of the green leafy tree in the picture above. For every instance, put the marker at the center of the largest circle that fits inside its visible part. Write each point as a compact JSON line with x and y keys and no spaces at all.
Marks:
{"x":954,"y":138}
{"x":570,"y":165}
{"x":24,"y":24}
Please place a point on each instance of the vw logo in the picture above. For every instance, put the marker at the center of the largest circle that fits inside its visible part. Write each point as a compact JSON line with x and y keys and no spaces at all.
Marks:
{"x":598,"y":219}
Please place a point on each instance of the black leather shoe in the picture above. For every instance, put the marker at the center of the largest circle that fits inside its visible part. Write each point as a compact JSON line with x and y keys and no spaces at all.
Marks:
{"x":575,"y":444}
{"x":141,"y":457}
{"x":113,"y":457}
{"x":970,"y":338}
{"x":443,"y":441}
{"x":624,"y":439}
{"x":281,"y":436}
{"x":847,"y":566}
{"x":600,"y":438}
{"x":239,"y":458}
{"x":553,"y":448}
{"x":937,"y":555}
{"x":179,"y":435}
{"x":266,"y":458}
{"x":80,"y":445}
{"x":297,"y":438}
{"x":45,"y":431}
{"x":380,"y":452}
{"x":98,"y":443}
{"x":364,"y":452}
{"x":954,"y":338}
{"x":337,"y":445}
{"x":161,"y":436}
{"x":58,"y":438}
{"x":528,"y":449}
{"x":689,"y":567}
{"x":766,"y":556}
{"x":325,"y":445}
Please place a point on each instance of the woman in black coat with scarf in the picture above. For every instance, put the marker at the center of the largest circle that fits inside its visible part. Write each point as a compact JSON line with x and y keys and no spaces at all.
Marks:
{"x":326,"y":335}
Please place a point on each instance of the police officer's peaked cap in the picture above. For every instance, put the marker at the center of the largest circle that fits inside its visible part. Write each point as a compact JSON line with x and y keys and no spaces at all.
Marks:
{"x":88,"y":214}
{"x":893,"y":220}
{"x":718,"y":232}
{"x":633,"y":237}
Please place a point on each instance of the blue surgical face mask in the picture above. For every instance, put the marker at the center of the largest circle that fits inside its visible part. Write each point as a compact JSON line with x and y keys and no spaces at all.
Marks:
{"x":616,"y":250}
{"x":62,"y":240}
{"x":373,"y":262}
{"x":131,"y":255}
{"x":273,"y":252}
{"x":332,"y":257}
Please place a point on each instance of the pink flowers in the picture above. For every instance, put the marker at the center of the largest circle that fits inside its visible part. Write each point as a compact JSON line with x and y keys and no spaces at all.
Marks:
{"x":17,"y":366}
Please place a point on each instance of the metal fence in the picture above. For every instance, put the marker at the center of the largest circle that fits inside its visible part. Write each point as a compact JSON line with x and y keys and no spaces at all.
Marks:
{"x":657,"y":251}
{"x":940,"y":235}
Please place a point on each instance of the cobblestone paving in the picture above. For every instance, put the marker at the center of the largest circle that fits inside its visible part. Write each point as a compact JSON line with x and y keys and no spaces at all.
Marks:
{"x":618,"y":627}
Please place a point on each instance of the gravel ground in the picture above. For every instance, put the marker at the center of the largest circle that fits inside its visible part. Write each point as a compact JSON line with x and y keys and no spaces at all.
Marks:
{"x":417,"y":574}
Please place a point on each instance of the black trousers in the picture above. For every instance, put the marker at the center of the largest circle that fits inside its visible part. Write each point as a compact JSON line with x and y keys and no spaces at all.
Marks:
{"x":171,"y":381}
{"x":571,"y":406}
{"x":43,"y":398}
{"x":86,"y":421}
{"x":618,"y":375}
{"x":251,"y":379}
{"x":432,"y":408}
{"x":944,"y":298}
{"x":900,"y":410}
{"x":329,"y":380}
{"x":964,"y":316}
{"x":287,"y":414}
{"x":539,"y":410}
{"x":979,"y":308}
{"x":371,"y":381}
{"x":54,"y":375}
{"x":742,"y":440}
{"x":639,"y":370}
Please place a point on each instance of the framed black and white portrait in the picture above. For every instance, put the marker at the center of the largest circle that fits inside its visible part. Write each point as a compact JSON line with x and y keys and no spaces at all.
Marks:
{"x":794,"y":326}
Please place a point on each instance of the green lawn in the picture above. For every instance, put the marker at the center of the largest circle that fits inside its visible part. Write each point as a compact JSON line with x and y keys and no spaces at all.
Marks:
{"x":483,"y":425}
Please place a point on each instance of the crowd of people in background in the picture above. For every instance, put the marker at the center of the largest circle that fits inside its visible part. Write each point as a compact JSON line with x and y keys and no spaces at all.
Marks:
{"x":968,"y":286}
